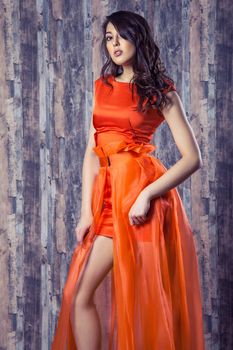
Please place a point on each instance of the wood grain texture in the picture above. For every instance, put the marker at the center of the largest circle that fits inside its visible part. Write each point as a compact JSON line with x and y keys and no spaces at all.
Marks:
{"x":49,"y":59}
{"x":224,"y":171}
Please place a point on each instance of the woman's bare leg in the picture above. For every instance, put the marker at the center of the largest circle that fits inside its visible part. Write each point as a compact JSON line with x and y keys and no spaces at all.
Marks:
{"x":84,"y":317}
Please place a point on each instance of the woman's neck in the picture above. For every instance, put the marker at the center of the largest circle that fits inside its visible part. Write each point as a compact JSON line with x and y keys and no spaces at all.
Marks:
{"x":125,"y":76}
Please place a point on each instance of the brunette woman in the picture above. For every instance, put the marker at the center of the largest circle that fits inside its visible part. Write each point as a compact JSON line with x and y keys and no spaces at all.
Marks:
{"x":132,"y":221}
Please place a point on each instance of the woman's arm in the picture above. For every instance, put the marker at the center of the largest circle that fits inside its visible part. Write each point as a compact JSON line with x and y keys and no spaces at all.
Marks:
{"x":89,"y":171}
{"x":186,"y":142}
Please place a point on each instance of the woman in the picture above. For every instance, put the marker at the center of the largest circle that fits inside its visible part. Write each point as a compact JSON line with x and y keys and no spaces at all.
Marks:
{"x":132,"y":218}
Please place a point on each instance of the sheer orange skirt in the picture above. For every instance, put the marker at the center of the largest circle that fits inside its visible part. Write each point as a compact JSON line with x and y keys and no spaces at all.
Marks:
{"x":105,"y":227}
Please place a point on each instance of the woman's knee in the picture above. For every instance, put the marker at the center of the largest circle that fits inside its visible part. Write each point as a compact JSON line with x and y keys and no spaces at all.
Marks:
{"x":83,"y":299}
{"x":97,"y":266}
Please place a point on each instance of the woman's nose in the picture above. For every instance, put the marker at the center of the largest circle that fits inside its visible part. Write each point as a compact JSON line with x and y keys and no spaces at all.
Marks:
{"x":115,"y":41}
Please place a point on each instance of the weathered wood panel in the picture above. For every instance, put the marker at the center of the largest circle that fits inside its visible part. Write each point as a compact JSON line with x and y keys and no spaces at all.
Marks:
{"x":49,"y":59}
{"x":224,"y":170}
{"x":5,"y":202}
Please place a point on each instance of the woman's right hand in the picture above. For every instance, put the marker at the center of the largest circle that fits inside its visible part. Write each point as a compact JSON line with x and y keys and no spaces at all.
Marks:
{"x":83,"y":226}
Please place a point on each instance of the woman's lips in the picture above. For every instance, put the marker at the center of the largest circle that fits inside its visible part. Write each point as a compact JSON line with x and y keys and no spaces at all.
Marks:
{"x":118,"y":53}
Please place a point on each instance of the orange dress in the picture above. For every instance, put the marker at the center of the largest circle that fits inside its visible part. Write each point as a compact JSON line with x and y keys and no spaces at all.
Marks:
{"x":155,"y":297}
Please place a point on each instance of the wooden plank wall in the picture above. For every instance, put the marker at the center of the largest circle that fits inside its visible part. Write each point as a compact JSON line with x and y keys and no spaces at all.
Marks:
{"x":49,"y":54}
{"x":224,"y":171}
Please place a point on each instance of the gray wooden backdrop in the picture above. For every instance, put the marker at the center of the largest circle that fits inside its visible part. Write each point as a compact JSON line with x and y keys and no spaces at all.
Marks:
{"x":49,"y":57}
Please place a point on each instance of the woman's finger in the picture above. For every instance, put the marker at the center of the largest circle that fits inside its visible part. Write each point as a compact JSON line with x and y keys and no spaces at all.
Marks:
{"x":137,"y":220}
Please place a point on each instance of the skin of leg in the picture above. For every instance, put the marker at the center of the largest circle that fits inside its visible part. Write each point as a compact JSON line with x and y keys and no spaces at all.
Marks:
{"x":84,"y":317}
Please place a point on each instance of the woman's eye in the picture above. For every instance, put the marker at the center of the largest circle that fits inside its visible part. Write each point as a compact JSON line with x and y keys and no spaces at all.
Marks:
{"x":108,"y":37}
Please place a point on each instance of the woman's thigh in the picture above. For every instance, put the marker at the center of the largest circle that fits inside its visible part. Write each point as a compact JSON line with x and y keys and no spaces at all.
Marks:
{"x":100,"y":262}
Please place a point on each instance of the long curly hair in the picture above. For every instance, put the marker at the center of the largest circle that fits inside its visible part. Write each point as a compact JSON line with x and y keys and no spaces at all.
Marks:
{"x":150,"y":79}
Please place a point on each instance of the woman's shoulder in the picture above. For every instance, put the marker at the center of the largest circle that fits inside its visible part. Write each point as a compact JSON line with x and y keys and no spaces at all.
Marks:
{"x":99,"y":80}
{"x":102,"y":84}
{"x":168,"y":85}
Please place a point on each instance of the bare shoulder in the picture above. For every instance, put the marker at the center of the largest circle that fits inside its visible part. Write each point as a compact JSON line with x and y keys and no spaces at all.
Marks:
{"x":174,"y":112}
{"x":175,"y":116}
{"x":174,"y":105}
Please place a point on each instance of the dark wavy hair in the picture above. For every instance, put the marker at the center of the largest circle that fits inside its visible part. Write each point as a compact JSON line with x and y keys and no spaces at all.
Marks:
{"x":149,"y":71}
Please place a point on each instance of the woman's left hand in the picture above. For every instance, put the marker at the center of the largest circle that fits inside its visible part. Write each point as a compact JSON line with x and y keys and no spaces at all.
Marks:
{"x":139,"y":210}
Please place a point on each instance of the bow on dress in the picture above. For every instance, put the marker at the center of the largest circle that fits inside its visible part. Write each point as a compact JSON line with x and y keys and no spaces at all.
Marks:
{"x":119,"y":146}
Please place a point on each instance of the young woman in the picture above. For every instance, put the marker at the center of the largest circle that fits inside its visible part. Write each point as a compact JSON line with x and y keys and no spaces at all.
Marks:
{"x":133,"y":222}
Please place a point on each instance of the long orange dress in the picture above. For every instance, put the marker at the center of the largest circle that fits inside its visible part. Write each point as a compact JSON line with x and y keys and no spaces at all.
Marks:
{"x":155,"y":290}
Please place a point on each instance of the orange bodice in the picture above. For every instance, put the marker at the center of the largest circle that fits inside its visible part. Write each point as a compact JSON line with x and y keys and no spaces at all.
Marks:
{"x":115,"y":117}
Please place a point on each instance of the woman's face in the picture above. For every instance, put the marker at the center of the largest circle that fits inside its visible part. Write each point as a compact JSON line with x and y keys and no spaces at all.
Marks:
{"x":114,"y":42}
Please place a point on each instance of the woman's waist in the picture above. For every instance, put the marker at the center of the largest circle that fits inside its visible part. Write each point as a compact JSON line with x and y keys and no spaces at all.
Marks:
{"x":114,"y":151}
{"x":109,"y":136}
